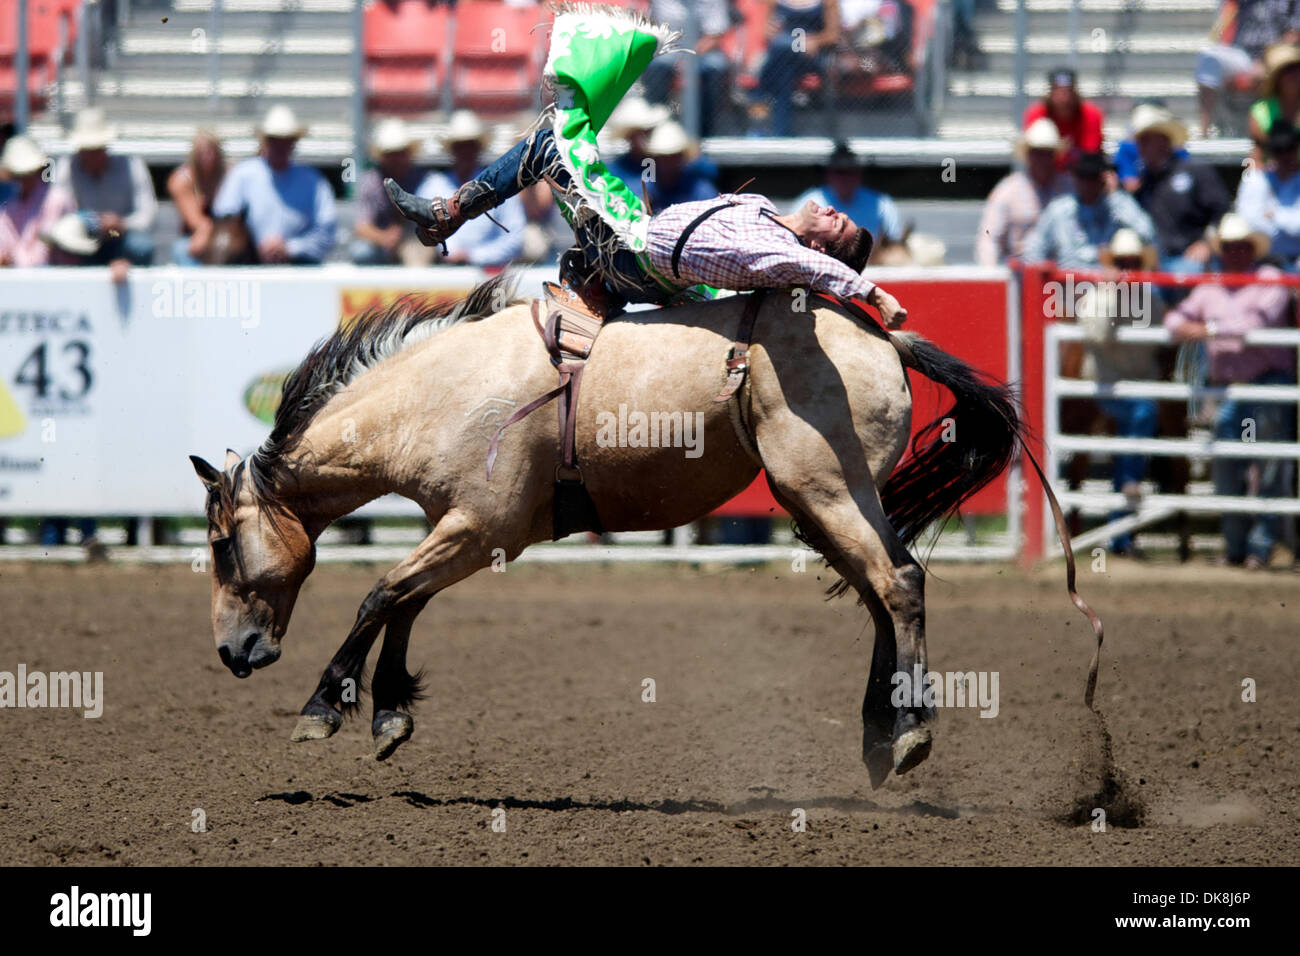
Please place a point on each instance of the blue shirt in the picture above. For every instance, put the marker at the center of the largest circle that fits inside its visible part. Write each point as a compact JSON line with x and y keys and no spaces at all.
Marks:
{"x":1129,"y":165}
{"x":873,"y":211}
{"x":295,"y":204}
{"x":481,"y":240}
{"x":1271,"y":205}
{"x":1071,"y":234}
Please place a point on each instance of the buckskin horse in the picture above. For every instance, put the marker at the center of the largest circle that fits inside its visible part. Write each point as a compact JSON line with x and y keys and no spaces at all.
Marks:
{"x":406,"y":399}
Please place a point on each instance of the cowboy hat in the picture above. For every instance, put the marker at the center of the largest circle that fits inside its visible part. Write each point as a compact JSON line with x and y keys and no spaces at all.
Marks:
{"x":635,"y":115}
{"x":668,"y":139}
{"x":1233,"y":228}
{"x":392,"y":135}
{"x":1276,"y":59}
{"x":69,"y":234}
{"x":1149,"y":118}
{"x":1127,"y":244}
{"x":22,"y":156}
{"x":281,"y":122}
{"x":91,"y":130}
{"x":1040,"y":134}
{"x":465,"y":127}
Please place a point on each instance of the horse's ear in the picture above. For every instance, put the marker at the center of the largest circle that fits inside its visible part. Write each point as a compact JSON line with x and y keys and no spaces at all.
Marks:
{"x":232,"y":459}
{"x":207,"y":474}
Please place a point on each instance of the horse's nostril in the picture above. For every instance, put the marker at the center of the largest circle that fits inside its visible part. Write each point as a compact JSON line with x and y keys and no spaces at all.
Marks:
{"x":250,"y":642}
{"x":224,"y":653}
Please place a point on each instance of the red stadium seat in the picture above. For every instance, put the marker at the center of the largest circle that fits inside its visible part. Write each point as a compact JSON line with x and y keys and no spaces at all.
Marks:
{"x":498,"y":56}
{"x":405,"y":46}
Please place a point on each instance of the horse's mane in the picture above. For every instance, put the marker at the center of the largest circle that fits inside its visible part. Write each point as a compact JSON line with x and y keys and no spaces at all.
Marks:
{"x":333,"y":363}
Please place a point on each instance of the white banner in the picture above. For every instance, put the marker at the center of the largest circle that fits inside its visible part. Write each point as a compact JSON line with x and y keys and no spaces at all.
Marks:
{"x":105,"y":390}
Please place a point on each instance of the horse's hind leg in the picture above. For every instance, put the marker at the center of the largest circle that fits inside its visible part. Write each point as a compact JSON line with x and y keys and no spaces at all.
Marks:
{"x":393,"y":689}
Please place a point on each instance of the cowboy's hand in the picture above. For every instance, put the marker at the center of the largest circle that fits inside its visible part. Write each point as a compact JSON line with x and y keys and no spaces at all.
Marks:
{"x":892,"y":313}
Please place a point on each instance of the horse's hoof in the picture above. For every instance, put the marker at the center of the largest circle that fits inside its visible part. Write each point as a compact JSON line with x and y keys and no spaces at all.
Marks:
{"x":910,"y":749}
{"x":316,"y":726}
{"x":391,"y":730}
{"x":880,"y":761}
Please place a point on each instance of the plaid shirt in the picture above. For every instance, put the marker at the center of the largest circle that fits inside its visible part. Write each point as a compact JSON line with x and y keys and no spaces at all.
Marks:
{"x":743,"y":247}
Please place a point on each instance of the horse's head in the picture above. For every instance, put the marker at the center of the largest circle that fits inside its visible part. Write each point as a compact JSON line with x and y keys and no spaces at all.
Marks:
{"x":260,"y":557}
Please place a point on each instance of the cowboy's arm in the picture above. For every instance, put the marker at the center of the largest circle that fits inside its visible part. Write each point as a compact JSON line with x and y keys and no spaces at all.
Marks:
{"x":992,"y":229}
{"x":315,"y":243}
{"x":144,"y":208}
{"x":821,"y":273}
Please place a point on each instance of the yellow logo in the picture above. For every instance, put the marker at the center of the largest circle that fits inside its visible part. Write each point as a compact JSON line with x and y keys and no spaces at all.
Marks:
{"x":12,"y":421}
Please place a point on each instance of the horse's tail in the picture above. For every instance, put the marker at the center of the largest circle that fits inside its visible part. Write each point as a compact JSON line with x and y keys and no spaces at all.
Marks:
{"x":959,"y":452}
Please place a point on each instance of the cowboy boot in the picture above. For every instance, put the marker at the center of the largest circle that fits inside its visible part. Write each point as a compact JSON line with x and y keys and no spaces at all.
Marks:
{"x":438,"y":218}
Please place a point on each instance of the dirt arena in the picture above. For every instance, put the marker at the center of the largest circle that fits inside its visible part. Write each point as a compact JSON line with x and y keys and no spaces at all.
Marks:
{"x":535,"y":684}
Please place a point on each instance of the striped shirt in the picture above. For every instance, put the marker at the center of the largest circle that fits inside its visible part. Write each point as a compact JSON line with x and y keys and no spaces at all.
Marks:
{"x":743,"y":247}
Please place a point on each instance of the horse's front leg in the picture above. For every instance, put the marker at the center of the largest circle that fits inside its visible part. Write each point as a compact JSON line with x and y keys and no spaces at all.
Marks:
{"x":339,"y":690}
{"x":392,"y":687}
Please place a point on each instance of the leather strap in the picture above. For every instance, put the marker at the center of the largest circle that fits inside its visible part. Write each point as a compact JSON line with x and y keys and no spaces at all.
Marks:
{"x":691,"y":227}
{"x":738,"y":360}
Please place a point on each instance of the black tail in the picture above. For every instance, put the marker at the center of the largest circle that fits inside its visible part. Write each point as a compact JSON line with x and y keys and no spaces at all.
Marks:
{"x":959,"y":452}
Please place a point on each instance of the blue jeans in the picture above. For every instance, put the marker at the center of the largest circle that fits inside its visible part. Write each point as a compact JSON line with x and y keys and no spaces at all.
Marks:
{"x":523,"y":166}
{"x":181,"y":253}
{"x":363,"y":252}
{"x":1247,"y":534}
{"x":1134,"y":418}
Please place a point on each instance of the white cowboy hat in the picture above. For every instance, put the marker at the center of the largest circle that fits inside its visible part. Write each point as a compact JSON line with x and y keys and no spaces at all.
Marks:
{"x":1041,"y":134}
{"x":1276,"y":59}
{"x":22,"y":156}
{"x":1233,"y":228}
{"x":281,"y":122}
{"x":668,"y":139}
{"x":392,"y":135}
{"x":1126,"y":244}
{"x":91,"y":130}
{"x":635,"y":115}
{"x":69,"y":234}
{"x":465,"y":127}
{"x":1149,"y":118}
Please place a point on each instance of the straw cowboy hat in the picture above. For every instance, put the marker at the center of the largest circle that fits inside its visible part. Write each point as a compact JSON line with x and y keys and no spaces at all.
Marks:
{"x":635,"y":115}
{"x":1276,"y":59}
{"x":1041,"y":134}
{"x":669,"y":139}
{"x":281,"y":122}
{"x":69,"y":234}
{"x":391,"y":136}
{"x":1233,"y":228}
{"x":91,"y":130}
{"x":1126,"y":244}
{"x":465,"y":127}
{"x":1149,"y":118}
{"x":22,"y":156}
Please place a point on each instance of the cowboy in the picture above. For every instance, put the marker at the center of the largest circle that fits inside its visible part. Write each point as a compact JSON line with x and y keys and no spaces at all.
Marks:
{"x":35,"y":208}
{"x":872,"y":210}
{"x":482,"y":244}
{"x":1269,"y":199}
{"x":633,"y":122}
{"x":380,"y":236}
{"x":1020,"y":198}
{"x":1219,"y":316}
{"x":735,"y":242}
{"x":677,"y":177}
{"x":1182,"y":197}
{"x":287,"y":207}
{"x":114,"y":194}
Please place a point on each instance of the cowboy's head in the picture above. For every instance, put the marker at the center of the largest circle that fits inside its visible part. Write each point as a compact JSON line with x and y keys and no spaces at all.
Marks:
{"x":279,"y":133}
{"x":1089,"y":172}
{"x":843,"y":172}
{"x":824,"y":229}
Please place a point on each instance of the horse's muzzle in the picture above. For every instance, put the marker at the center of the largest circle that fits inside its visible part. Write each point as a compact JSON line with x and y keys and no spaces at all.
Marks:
{"x":253,"y":652}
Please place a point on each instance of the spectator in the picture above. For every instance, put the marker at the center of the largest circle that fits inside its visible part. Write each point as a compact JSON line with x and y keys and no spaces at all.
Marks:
{"x":878,"y":35}
{"x":1280,"y":92}
{"x":7,"y":189}
{"x":966,"y":52}
{"x":1269,"y":199}
{"x":34,"y":209}
{"x":1074,"y":227}
{"x":193,"y":186}
{"x":480,"y":241}
{"x":843,"y":190}
{"x":382,"y":236}
{"x":793,"y":55}
{"x":1115,"y":305}
{"x":675,"y":178}
{"x":634,"y":120}
{"x":1219,"y":316}
{"x":714,"y":21}
{"x":1020,"y":198}
{"x":1128,"y":161}
{"x":1077,"y":120}
{"x":1259,"y":23}
{"x":287,"y":207}
{"x":70,"y":242}
{"x":113,"y":193}
{"x":1182,"y":197}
